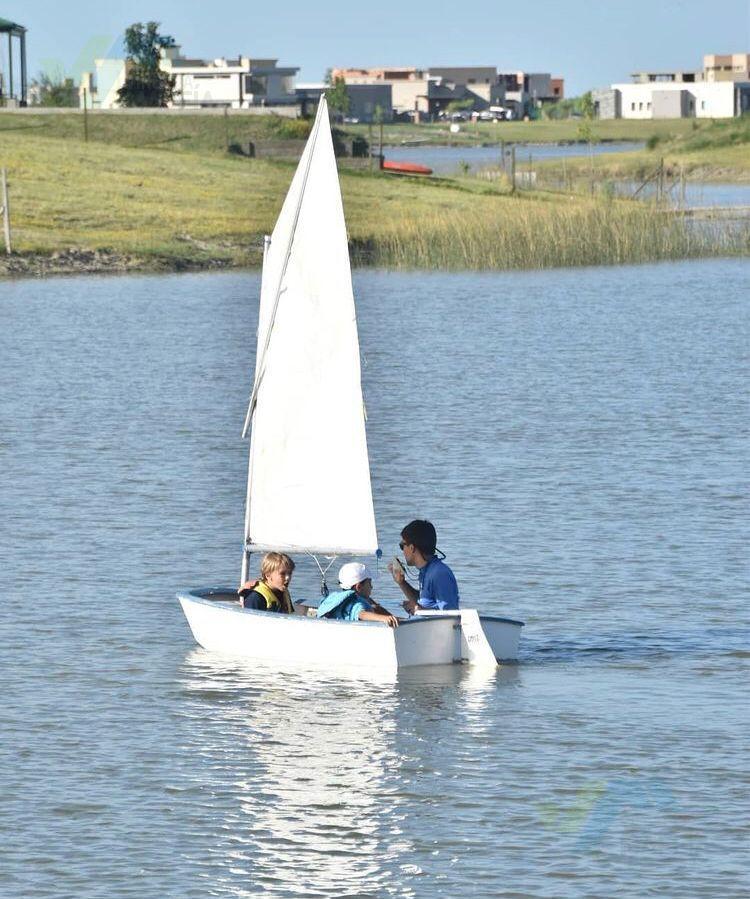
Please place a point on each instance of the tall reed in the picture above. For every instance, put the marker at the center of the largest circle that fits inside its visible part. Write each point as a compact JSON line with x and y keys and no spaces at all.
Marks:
{"x":545,"y":235}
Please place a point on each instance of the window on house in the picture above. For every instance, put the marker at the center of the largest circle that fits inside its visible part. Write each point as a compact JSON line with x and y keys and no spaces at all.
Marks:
{"x":640,"y":107}
{"x":648,"y":106}
{"x":632,"y":107}
{"x":703,"y":104}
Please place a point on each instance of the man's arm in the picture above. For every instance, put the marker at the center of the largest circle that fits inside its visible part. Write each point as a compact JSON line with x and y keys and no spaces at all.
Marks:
{"x":409,"y":592}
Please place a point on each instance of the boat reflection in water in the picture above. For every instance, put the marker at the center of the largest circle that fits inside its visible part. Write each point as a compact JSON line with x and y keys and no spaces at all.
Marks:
{"x":311,"y":778}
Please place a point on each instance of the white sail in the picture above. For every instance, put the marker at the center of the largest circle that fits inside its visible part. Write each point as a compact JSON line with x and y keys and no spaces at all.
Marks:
{"x":309,"y":475}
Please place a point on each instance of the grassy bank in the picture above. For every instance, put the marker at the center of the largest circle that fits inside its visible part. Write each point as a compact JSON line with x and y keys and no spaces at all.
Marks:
{"x":707,"y":151}
{"x":195,"y":132}
{"x":78,"y":206}
{"x":562,"y":131}
{"x":188,"y":132}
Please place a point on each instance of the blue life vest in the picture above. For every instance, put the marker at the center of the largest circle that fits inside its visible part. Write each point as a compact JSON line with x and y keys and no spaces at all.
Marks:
{"x":338,"y":605}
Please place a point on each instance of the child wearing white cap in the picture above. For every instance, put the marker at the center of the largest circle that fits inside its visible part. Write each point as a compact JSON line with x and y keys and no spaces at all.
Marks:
{"x":353,"y":602}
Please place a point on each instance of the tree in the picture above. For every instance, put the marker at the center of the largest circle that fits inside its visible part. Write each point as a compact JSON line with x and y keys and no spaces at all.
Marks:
{"x":338,"y":98}
{"x":460,"y":105}
{"x":145,"y":83}
{"x":586,"y":105}
{"x":54,"y":89}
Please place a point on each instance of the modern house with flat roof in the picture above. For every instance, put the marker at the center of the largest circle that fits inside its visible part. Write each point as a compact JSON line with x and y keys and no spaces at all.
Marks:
{"x":425,"y":93}
{"x":720,"y":90}
{"x":367,"y":102}
{"x":241,"y":83}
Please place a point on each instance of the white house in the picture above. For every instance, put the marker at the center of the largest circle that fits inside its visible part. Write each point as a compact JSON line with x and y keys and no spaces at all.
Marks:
{"x":241,"y":83}
{"x":680,"y":99}
{"x":721,"y":90}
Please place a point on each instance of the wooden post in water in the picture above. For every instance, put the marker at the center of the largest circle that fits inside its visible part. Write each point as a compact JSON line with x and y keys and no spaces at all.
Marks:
{"x":513,"y":169}
{"x":85,"y":117}
{"x":660,"y":182}
{"x":6,"y":212}
{"x":682,"y":187}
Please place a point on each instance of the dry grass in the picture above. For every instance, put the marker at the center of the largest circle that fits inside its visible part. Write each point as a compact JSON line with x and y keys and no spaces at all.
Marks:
{"x":170,"y":209}
{"x":523,"y":234}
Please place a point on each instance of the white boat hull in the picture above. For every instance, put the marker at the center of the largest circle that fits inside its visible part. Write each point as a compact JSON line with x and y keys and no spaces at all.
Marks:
{"x":220,"y":624}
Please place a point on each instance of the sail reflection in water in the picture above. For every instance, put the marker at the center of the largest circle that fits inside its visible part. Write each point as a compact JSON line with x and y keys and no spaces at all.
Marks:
{"x":311,"y":779}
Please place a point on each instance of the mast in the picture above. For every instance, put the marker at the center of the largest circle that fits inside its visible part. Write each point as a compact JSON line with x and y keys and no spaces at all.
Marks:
{"x":245,"y":572}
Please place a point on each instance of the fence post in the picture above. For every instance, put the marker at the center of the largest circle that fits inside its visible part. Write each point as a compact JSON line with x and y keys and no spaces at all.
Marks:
{"x":6,"y":212}
{"x":513,"y":169}
{"x":85,"y":117}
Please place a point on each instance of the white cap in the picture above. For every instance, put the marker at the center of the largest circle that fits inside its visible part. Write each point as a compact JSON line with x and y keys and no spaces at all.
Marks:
{"x":353,"y":573}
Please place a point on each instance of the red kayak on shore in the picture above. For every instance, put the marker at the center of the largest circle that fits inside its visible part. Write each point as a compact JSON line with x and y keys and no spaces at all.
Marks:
{"x":405,"y":168}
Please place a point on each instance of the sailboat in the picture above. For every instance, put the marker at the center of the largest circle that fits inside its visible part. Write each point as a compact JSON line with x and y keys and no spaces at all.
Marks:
{"x":307,"y":361}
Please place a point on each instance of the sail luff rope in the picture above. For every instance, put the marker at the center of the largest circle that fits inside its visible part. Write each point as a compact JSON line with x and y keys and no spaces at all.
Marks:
{"x":279,"y":291}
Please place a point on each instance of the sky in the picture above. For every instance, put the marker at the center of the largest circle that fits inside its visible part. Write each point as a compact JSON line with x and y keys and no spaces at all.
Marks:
{"x":591,"y":43}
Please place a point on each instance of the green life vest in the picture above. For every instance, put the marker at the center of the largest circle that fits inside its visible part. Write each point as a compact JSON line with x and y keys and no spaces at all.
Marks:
{"x":272,"y":600}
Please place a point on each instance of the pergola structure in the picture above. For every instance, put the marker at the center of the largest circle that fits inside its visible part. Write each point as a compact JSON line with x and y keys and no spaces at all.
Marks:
{"x":14,"y":30}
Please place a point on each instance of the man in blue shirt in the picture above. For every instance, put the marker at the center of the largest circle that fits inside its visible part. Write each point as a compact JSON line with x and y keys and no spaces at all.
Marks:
{"x":437,"y":585}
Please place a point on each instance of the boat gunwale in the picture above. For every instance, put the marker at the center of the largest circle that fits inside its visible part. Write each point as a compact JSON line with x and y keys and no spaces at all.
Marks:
{"x":194,"y":596}
{"x":501,"y":619}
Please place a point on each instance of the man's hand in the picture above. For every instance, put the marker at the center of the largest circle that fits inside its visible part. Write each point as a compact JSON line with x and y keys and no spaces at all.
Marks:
{"x":410,"y":606}
{"x":397,"y":572}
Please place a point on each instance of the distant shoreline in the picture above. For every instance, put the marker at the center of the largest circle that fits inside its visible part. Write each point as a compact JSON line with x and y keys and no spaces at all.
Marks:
{"x":151,"y":194}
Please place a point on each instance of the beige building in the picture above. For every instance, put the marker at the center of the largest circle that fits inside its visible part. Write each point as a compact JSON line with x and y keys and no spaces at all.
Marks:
{"x":730,"y":67}
{"x":426,"y":92}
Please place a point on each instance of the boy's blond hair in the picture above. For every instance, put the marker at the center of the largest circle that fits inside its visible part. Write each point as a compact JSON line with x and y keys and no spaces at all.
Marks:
{"x":275,"y":562}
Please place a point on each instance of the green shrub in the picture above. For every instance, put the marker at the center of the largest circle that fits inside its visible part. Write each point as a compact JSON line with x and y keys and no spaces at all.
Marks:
{"x":289,"y":129}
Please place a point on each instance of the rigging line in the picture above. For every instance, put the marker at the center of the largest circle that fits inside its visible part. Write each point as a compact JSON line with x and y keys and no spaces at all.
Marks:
{"x":323,"y":571}
{"x":279,"y":290}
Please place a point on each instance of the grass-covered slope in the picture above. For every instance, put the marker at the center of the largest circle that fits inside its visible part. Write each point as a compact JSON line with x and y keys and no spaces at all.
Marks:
{"x":151,"y":207}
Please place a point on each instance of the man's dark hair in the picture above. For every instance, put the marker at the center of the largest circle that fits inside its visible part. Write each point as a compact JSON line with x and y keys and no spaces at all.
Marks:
{"x":422,"y":535}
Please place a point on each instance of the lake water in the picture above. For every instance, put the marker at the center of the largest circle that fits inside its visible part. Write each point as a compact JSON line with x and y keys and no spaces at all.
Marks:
{"x":447,"y":160}
{"x":580,"y":437}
